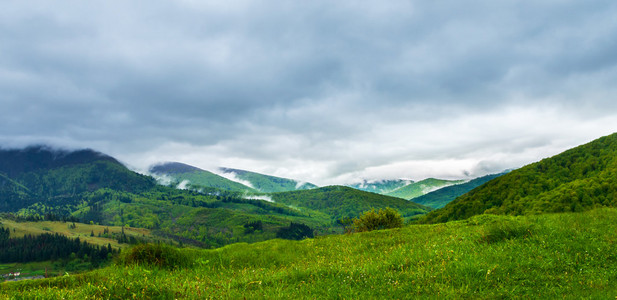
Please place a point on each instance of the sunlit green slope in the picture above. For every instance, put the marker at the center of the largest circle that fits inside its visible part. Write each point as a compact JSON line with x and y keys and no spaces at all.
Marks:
{"x":486,"y":257}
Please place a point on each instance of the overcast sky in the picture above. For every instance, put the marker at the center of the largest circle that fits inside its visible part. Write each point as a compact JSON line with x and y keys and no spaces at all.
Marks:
{"x":321,"y":91}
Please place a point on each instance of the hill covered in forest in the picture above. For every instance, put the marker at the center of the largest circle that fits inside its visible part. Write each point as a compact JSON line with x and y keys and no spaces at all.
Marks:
{"x":342,"y":201}
{"x":576,"y":180}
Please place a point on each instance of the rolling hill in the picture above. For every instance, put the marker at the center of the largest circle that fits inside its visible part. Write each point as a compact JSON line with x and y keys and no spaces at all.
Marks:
{"x":443,"y":196}
{"x":342,"y":201}
{"x":578,"y":179}
{"x":186,"y":175}
{"x":266,"y":183}
{"x":380,"y":186}
{"x":417,"y":189}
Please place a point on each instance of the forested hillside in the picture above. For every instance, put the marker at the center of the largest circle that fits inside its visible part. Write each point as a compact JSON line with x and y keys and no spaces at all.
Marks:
{"x":576,"y":180}
{"x":56,"y":178}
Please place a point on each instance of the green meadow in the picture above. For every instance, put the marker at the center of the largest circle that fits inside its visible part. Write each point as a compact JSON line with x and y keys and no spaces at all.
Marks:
{"x":568,"y":255}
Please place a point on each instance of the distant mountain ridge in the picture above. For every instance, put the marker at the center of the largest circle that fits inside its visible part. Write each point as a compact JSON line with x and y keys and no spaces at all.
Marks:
{"x":197,"y":178}
{"x":439,"y":198}
{"x":267,"y":183}
{"x":417,"y":189}
{"x":383,"y":187}
{"x":578,"y":179}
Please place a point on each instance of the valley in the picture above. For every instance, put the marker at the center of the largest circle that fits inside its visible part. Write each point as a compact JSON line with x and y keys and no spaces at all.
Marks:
{"x":548,"y":226}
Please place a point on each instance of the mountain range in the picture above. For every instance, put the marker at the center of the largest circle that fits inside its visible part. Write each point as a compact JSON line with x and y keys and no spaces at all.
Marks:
{"x":41,"y":182}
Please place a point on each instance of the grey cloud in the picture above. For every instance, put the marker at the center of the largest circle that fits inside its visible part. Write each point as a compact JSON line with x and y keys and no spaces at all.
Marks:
{"x":314,"y":78}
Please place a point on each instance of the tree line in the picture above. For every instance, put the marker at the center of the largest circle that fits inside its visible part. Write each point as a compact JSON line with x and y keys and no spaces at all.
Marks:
{"x":48,"y":246}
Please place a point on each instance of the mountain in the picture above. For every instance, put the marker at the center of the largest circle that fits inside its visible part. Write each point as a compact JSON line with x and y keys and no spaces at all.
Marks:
{"x":342,"y":201}
{"x":197,"y":178}
{"x":51,"y":177}
{"x":422,"y":187}
{"x":443,"y":196}
{"x":380,"y":186}
{"x":576,"y":180}
{"x":267,"y":183}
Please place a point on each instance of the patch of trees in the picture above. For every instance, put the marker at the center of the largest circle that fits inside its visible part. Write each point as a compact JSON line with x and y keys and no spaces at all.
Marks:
{"x":295,"y":231}
{"x":253,"y":226}
{"x":49,"y":247}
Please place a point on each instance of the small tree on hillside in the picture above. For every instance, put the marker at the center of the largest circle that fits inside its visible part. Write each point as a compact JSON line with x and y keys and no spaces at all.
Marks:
{"x":375,"y":220}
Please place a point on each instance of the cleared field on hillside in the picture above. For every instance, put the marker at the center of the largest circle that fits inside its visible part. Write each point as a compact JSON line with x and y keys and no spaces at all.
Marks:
{"x":81,"y":231}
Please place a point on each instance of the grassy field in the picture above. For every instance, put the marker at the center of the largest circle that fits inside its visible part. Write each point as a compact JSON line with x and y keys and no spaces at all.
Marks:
{"x":82,"y":231}
{"x":486,"y":257}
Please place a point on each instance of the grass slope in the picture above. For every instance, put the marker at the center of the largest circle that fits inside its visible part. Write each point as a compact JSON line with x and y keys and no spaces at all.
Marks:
{"x":197,"y":178}
{"x":341,"y":201}
{"x":267,"y":183}
{"x":486,"y":257}
{"x":443,"y":196}
{"x":575,"y":180}
{"x":422,"y":187}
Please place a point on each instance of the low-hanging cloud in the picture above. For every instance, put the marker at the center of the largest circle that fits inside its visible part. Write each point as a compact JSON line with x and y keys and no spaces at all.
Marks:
{"x":320,"y":91}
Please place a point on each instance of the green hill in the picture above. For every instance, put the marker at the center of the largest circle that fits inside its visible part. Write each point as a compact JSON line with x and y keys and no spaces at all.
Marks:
{"x":267,"y":183}
{"x":197,"y":178}
{"x":59,"y":177}
{"x":443,"y":196}
{"x":380,"y":186}
{"x":486,"y":257}
{"x":417,"y":189}
{"x":341,"y":201}
{"x":576,"y":180}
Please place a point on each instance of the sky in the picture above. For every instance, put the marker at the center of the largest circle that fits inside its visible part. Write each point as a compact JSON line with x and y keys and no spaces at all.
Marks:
{"x":321,"y":91}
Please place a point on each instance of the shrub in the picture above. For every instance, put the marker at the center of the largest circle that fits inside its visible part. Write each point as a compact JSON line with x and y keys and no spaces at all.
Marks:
{"x":159,"y":255}
{"x":375,"y":220}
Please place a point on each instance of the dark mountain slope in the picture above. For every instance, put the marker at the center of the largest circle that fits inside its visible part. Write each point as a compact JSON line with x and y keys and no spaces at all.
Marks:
{"x":45,"y":175}
{"x":267,"y":183}
{"x":576,"y":180}
{"x":14,"y":162}
{"x":443,"y":196}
